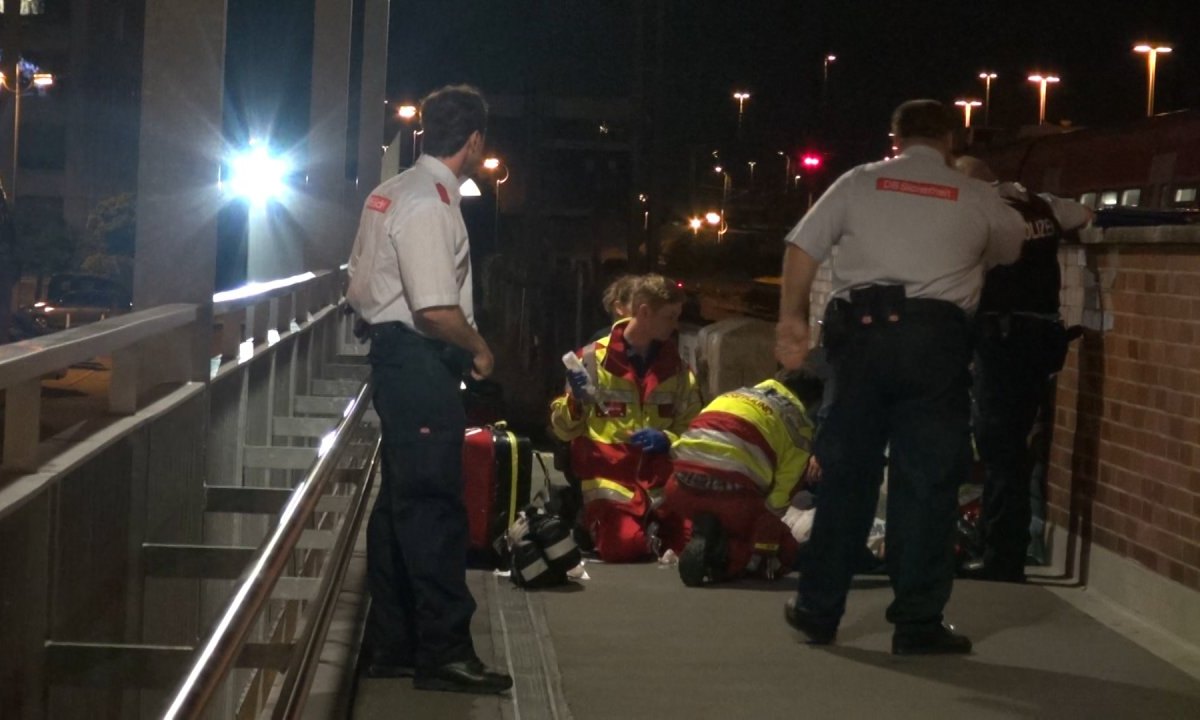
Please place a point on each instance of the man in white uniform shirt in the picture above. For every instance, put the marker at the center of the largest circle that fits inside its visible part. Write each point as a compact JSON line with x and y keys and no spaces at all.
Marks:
{"x":914,"y":238}
{"x":410,"y":281}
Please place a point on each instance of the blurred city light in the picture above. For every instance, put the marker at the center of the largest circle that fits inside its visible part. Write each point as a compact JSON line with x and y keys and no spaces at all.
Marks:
{"x":406,"y":112}
{"x":469,"y":189}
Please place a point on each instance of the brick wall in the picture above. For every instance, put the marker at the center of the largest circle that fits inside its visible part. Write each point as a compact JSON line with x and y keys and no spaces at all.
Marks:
{"x":1125,"y":459}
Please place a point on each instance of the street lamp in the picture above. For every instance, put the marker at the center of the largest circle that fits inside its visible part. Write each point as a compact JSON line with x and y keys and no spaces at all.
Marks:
{"x":787,"y":169}
{"x":36,"y":81}
{"x":492,"y":164}
{"x":741,"y":96}
{"x":1151,"y":53}
{"x":406,"y":114}
{"x":987,"y":76}
{"x":751,"y":163}
{"x":966,"y":105}
{"x":726,"y":183}
{"x":694,"y":223}
{"x":416,"y":153}
{"x":1042,"y":81}
{"x":825,"y":74}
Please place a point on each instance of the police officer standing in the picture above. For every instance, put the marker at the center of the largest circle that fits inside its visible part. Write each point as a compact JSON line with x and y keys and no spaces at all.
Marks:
{"x":410,"y":280}
{"x":913,"y":238}
{"x":1020,"y":344}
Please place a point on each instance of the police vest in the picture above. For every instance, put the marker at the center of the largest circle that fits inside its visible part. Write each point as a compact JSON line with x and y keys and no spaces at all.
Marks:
{"x":1032,"y":283}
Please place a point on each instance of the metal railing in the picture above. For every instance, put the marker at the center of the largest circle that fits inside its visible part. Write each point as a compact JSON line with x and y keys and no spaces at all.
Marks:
{"x":219,"y":651}
{"x":126,"y":528}
{"x":22,"y":365}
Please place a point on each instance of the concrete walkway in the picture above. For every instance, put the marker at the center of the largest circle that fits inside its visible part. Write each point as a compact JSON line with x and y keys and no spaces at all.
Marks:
{"x":633,"y":642}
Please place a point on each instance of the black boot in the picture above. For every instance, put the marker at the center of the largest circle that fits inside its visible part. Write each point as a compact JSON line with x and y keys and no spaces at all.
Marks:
{"x":939,"y":639}
{"x":704,"y":558}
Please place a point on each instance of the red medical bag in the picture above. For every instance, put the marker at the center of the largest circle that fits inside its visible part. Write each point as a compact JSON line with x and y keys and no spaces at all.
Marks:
{"x":497,"y":472}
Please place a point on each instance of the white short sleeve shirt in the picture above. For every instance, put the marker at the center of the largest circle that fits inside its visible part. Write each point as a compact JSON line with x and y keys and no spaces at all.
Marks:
{"x":912,"y":221}
{"x":411,"y":251}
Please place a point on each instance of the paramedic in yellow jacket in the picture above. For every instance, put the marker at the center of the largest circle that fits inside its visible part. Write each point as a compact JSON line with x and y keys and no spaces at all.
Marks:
{"x":736,"y":469}
{"x":621,"y":414}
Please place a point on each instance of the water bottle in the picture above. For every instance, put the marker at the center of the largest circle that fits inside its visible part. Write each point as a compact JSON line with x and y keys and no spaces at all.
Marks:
{"x":573,"y":364}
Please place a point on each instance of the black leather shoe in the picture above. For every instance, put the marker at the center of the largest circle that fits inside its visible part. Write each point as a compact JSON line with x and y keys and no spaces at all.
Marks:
{"x":466,"y":676}
{"x":979,"y":571}
{"x":937,"y":639}
{"x":818,"y":630}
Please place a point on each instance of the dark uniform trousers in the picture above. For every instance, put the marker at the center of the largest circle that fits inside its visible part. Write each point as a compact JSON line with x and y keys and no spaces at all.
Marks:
{"x":1015,"y":356}
{"x":421,"y":607}
{"x":902,"y":388}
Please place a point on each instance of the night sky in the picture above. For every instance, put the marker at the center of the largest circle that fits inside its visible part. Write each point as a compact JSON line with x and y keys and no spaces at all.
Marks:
{"x":887,"y":52}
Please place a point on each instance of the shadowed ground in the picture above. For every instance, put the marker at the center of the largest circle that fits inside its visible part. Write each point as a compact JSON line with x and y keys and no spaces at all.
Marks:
{"x":635,"y":643}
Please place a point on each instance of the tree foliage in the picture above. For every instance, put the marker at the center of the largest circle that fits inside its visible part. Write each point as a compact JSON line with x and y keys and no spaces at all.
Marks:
{"x":109,"y":239}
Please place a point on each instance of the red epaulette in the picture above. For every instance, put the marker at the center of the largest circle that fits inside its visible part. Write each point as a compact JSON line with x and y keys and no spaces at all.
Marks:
{"x":378,"y":203}
{"x":443,"y":193}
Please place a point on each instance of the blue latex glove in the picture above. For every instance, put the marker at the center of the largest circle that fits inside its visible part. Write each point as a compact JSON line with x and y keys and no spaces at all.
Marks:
{"x":578,"y":382}
{"x":651,"y":440}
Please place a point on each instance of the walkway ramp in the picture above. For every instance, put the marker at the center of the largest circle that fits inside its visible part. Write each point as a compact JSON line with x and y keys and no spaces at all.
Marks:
{"x":635,"y":643}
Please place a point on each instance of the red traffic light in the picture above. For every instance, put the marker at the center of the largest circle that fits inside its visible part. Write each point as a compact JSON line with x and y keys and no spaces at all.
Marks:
{"x":811,"y":161}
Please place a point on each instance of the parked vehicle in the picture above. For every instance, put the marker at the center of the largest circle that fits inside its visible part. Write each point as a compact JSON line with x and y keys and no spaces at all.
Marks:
{"x":77,"y":299}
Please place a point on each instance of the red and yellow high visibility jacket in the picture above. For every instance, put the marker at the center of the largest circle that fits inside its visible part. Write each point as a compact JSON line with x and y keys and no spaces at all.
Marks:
{"x":755,"y":437}
{"x":666,"y":397}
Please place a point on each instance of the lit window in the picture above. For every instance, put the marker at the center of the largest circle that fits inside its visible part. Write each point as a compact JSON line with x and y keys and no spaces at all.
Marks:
{"x":1185,"y":195}
{"x":1108,"y":198}
{"x":1089,"y":199}
{"x":1131,"y":197}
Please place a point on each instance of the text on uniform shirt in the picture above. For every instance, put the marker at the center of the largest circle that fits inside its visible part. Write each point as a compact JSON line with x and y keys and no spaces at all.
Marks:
{"x":941,"y":192}
{"x":378,"y":203}
{"x":1039,"y":228}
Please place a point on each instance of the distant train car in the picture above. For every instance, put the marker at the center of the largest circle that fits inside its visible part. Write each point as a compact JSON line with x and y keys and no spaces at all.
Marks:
{"x":1153,"y":163}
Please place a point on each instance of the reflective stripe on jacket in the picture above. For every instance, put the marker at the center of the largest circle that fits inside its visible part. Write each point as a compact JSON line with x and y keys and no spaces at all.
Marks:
{"x":756,"y":437}
{"x":666,"y":398}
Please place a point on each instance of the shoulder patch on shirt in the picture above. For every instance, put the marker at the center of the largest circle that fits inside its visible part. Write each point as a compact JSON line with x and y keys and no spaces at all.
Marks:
{"x":378,"y":203}
{"x":443,"y":193}
{"x":941,"y":192}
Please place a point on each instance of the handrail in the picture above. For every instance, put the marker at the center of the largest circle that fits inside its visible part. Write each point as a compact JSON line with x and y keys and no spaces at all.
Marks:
{"x":29,"y":359}
{"x":252,"y":294}
{"x":223,"y":643}
{"x":303,"y":666}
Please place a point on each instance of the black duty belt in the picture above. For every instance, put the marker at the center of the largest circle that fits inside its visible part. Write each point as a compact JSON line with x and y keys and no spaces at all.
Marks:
{"x":388,"y":327}
{"x":870,"y":309}
{"x":457,"y":359}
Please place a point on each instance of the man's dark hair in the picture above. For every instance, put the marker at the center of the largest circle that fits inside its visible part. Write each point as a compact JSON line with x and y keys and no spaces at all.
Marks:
{"x":922,"y":119}
{"x":449,"y":116}
{"x":805,"y":385}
